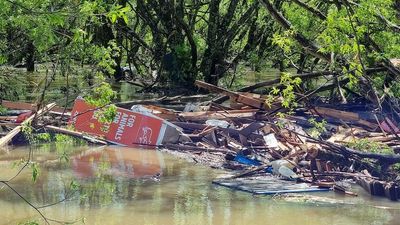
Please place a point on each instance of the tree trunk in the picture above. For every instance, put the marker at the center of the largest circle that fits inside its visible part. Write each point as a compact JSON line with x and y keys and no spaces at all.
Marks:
{"x":30,"y":57}
{"x":208,"y":64}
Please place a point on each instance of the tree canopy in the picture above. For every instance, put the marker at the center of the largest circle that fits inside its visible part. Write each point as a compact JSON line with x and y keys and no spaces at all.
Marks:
{"x":176,"y":42}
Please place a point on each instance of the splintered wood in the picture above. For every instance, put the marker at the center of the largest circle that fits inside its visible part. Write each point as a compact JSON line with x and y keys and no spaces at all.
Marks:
{"x":317,"y":144}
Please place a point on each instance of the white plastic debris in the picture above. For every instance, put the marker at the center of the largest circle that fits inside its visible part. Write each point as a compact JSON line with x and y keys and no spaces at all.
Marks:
{"x":218,"y":123}
{"x":270,"y":141}
{"x":191,"y":107}
{"x":284,"y":169}
{"x":140,"y":109}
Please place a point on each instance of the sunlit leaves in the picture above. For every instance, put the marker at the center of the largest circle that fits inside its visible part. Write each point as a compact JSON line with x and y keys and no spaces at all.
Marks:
{"x":118,"y":11}
{"x":284,"y":40}
{"x":287,"y":92}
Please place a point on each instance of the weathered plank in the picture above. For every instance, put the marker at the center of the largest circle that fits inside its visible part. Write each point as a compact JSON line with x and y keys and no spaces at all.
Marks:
{"x":26,"y":106}
{"x":250,"y":101}
{"x":343,"y":115}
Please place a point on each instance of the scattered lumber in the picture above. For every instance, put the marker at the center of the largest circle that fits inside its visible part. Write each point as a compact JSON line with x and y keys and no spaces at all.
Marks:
{"x":247,"y":137}
{"x":6,"y":139}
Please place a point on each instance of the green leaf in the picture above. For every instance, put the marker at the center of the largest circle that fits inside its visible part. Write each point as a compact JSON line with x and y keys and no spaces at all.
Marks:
{"x":125,"y":18}
{"x":35,"y":171}
{"x":114,"y":17}
{"x":74,"y":185}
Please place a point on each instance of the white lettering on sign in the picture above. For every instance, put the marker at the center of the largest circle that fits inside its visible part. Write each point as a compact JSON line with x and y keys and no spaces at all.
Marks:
{"x":116,"y":118}
{"x":131,"y":120}
{"x":74,"y":117}
{"x":145,"y":136}
{"x":123,"y":120}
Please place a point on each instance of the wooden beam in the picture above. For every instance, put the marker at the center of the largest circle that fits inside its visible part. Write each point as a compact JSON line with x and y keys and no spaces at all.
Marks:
{"x":343,"y":115}
{"x":250,"y":101}
{"x":26,"y":106}
{"x":219,"y":115}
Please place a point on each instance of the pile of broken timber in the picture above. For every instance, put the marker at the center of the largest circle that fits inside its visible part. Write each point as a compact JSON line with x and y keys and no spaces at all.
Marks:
{"x":249,"y":135}
{"x":22,"y":114}
{"x":246,"y":135}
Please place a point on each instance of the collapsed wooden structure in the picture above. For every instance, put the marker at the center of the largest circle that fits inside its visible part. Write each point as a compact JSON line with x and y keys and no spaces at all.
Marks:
{"x":319,"y":142}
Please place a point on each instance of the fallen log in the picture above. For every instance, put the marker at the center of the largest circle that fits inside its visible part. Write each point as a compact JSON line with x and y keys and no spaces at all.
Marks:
{"x":6,"y":139}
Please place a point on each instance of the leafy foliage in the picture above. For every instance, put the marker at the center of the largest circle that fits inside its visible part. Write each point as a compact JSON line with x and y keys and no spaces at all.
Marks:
{"x":370,"y":146}
{"x":288,"y":91}
{"x":319,"y":127}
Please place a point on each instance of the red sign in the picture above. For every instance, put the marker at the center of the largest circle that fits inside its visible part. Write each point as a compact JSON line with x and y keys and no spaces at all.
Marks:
{"x":128,"y":128}
{"x":82,"y":117}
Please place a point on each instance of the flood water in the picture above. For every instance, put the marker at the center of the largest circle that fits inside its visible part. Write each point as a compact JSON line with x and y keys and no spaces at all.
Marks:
{"x":132,"y":186}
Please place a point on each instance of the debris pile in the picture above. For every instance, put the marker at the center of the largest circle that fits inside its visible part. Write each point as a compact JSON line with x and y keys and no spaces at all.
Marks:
{"x":317,"y":145}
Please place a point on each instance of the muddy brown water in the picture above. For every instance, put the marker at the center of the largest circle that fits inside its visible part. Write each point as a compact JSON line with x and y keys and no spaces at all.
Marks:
{"x":133,"y":186}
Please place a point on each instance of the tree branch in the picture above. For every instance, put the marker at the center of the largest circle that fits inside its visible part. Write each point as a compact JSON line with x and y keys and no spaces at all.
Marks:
{"x":308,"y":45}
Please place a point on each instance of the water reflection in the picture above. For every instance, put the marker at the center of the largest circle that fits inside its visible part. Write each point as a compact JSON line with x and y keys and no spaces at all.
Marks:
{"x":122,"y":186}
{"x":118,"y":162}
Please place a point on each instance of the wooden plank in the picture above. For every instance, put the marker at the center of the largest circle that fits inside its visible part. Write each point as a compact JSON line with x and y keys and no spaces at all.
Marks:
{"x":196,"y":126}
{"x":251,"y":128}
{"x":343,"y":115}
{"x":161,"y":112}
{"x":18,"y":105}
{"x":8,"y":117}
{"x":195,"y":148}
{"x":250,"y":101}
{"x":6,"y":139}
{"x":26,"y":106}
{"x":9,"y":124}
{"x":219,"y":115}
